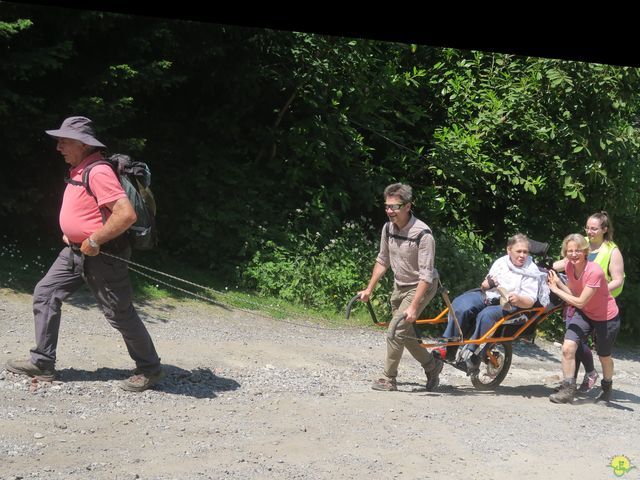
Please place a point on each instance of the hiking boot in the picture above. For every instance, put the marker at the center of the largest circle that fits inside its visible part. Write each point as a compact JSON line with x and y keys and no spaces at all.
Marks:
{"x":141,"y":381}
{"x":473,"y":365}
{"x":385,"y":385}
{"x":558,"y":386}
{"x":565,"y":394}
{"x":589,"y":381}
{"x":605,"y":395}
{"x":26,"y":367}
{"x":433,"y":377}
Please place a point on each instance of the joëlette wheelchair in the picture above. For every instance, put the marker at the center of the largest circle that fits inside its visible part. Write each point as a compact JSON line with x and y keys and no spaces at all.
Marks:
{"x":496,"y":361}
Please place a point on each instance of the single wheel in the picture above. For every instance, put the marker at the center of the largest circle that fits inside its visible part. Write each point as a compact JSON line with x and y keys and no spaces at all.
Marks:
{"x":491,"y":375}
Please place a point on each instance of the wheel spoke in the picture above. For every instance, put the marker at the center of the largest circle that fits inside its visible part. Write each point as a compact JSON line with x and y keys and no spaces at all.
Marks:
{"x":494,"y":367}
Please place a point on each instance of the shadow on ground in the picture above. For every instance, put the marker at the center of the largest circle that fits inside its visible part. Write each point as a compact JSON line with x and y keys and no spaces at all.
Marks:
{"x":620,"y":399}
{"x":197,"y":383}
{"x":531,"y":350}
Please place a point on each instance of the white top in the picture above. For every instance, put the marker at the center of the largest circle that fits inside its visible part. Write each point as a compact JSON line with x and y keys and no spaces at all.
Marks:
{"x":519,"y":280}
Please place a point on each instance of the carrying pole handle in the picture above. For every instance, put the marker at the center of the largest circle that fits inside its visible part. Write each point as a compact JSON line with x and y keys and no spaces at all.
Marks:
{"x":445,"y":296}
{"x":369,"y":307}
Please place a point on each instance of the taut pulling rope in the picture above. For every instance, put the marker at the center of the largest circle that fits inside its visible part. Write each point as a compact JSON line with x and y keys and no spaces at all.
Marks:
{"x":132,"y":264}
{"x":197,"y":295}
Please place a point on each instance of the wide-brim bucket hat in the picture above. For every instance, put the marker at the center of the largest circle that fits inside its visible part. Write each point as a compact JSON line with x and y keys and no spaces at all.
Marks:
{"x":77,"y":128}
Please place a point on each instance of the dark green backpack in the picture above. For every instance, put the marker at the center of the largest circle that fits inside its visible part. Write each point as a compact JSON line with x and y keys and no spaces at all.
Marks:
{"x":135,"y":178}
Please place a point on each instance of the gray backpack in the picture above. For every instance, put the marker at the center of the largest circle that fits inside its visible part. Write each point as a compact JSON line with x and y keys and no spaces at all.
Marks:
{"x":135,"y":178}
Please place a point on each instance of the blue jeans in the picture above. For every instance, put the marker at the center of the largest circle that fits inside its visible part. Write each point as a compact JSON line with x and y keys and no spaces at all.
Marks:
{"x":470,"y":307}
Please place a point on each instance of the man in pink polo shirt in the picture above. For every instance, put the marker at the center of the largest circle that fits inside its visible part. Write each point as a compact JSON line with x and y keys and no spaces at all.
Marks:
{"x":85,"y":233}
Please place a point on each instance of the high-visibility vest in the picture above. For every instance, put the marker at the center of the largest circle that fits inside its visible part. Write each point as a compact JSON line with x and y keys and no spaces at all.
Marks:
{"x":603,"y":258}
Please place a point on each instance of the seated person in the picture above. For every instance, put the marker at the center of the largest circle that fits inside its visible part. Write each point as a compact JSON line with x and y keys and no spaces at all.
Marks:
{"x":514,"y":278}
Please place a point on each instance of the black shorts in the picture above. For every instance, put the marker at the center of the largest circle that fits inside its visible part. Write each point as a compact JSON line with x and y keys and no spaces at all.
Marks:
{"x":579,"y":327}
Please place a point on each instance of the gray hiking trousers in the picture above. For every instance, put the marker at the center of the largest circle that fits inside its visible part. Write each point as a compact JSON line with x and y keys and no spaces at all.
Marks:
{"x":109,"y":281}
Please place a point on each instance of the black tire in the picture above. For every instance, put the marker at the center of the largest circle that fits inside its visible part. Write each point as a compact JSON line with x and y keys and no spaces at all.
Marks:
{"x":488,"y":378}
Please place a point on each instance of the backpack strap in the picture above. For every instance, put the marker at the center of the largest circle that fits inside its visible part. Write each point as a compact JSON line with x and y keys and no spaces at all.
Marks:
{"x":416,"y":239}
{"x":85,"y":183}
{"x":87,"y":170}
{"x":73,"y":182}
{"x":85,"y":176}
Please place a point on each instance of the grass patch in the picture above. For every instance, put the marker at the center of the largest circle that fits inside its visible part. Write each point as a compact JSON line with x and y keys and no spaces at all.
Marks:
{"x":227,"y":292}
{"x":23,"y":266}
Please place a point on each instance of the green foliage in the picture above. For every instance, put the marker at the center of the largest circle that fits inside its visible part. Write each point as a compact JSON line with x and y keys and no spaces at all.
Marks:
{"x":22,"y":265}
{"x":313,"y":270}
{"x":460,"y":260}
{"x":8,"y":29}
{"x":524,"y":128}
{"x":244,"y":126}
{"x":553,"y":327}
{"x":321,"y":273}
{"x":629,"y":302}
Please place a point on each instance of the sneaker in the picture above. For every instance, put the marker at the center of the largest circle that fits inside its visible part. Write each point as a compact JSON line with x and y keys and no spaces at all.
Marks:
{"x":385,"y":385}
{"x":26,"y":367}
{"x":565,"y":394}
{"x":140,"y":381}
{"x":589,"y":381}
{"x":433,"y":377}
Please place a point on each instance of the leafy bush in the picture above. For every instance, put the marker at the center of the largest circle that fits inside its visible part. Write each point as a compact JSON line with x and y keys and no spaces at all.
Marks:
{"x":553,"y":327}
{"x":326,"y":273}
{"x":21,"y":264}
{"x":491,"y":143}
{"x":313,"y":270}
{"x":629,"y":302}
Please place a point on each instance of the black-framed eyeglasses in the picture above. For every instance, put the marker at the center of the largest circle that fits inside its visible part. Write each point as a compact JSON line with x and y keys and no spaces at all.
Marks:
{"x":394,"y":207}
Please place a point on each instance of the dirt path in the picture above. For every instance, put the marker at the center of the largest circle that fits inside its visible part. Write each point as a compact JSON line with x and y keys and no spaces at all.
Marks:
{"x":252,"y":398}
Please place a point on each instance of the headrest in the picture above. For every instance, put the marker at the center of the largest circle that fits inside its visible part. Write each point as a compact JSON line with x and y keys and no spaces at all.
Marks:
{"x":538,"y":248}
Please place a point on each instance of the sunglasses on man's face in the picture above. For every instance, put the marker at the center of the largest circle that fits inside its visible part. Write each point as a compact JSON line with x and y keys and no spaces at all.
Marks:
{"x":394,"y":207}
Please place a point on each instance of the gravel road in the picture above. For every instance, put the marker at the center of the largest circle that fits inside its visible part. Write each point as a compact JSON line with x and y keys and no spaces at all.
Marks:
{"x":249,"y":397}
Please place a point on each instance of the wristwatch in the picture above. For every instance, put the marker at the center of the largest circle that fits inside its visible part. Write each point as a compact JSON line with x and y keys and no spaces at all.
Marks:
{"x":92,"y":243}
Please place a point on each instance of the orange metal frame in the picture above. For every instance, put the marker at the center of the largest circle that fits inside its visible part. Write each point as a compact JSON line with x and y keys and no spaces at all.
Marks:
{"x":539,"y":315}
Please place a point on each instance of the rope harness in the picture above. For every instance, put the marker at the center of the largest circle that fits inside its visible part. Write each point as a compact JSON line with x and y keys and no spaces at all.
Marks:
{"x":132,"y":264}
{"x":187,"y":282}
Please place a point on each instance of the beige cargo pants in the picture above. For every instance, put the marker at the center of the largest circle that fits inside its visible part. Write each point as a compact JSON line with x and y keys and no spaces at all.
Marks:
{"x":401,"y":298}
